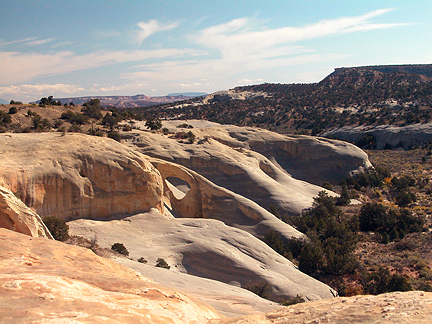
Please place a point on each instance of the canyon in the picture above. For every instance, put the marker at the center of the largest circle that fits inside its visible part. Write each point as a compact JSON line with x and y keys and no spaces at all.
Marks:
{"x":201,"y":206}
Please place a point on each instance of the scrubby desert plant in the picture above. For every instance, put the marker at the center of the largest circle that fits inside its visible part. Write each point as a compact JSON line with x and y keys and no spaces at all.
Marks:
{"x":57,"y":227}
{"x":142,"y":260}
{"x":120,"y":248}
{"x":161,"y":263}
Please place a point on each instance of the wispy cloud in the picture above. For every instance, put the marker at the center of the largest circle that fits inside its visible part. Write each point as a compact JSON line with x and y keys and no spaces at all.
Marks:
{"x":241,"y":37}
{"x":25,"y":40}
{"x":38,"y":42}
{"x":151,"y":27}
{"x":16,"y":67}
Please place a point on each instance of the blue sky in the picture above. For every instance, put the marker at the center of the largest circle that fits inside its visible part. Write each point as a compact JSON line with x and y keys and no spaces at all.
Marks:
{"x":77,"y":48}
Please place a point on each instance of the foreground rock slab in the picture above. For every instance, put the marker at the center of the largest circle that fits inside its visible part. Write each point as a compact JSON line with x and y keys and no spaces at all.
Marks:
{"x":44,"y":281}
{"x":414,"y":307}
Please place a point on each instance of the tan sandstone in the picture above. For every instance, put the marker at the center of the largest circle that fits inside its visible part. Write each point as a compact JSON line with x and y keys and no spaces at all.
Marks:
{"x":44,"y":281}
{"x":76,"y":175}
{"x":16,"y":216}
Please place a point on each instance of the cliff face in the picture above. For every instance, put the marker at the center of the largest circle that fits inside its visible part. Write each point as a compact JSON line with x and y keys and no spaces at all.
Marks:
{"x":76,"y":176}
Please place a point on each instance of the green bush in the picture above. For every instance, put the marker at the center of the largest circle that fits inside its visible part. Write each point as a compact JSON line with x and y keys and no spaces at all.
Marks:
{"x":142,"y":260}
{"x":382,"y":281}
{"x":332,"y":238}
{"x":161,"y":263}
{"x":115,"y":136}
{"x":120,"y":248}
{"x":57,"y":227}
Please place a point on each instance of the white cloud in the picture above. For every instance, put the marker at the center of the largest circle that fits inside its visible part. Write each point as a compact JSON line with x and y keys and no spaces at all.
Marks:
{"x":32,"y":91}
{"x":149,"y":28}
{"x":16,"y":67}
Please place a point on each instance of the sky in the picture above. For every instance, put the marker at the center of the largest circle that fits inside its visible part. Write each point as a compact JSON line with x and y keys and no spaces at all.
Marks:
{"x":107,"y":47}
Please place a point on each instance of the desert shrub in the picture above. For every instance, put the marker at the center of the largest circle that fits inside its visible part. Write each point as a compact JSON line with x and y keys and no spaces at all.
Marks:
{"x":5,"y":119}
{"x":95,"y":131}
{"x":57,"y":227}
{"x":344,"y":197}
{"x":109,"y":120}
{"x":402,"y":183}
{"x":120,"y":248}
{"x":153,"y":123}
{"x":394,"y":222}
{"x":332,"y":238}
{"x":75,"y":128}
{"x":165,"y":131}
{"x":191,"y":137}
{"x":327,"y":186}
{"x":92,"y":109}
{"x":184,"y":125}
{"x":381,"y":281}
{"x":370,"y":178}
{"x":161,"y":263}
{"x":293,"y":300}
{"x":12,"y":110}
{"x":405,"y":198}
{"x":373,"y":217}
{"x":142,"y":260}
{"x":259,"y":289}
{"x":115,"y":136}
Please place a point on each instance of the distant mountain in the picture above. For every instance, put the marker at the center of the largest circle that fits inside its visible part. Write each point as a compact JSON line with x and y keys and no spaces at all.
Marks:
{"x":421,"y":69}
{"x":139,"y":100}
{"x":2,"y":101}
{"x":189,"y":94}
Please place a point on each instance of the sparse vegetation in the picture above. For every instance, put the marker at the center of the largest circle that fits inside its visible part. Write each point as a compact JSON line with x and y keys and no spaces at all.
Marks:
{"x":120,"y":248}
{"x":57,"y":227}
{"x":161,"y":263}
{"x":142,"y":260}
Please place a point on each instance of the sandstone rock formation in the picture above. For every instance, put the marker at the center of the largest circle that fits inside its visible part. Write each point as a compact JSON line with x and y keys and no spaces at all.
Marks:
{"x":228,"y":299}
{"x":206,"y":248}
{"x":44,"y":281}
{"x":76,"y":175}
{"x":16,"y":216}
{"x":200,"y":198}
{"x":263,"y":166}
{"x":397,"y":307}
{"x":395,"y":136}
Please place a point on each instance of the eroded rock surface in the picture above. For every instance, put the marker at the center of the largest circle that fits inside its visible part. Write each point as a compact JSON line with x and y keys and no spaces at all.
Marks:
{"x":44,"y":281}
{"x":413,"y":307}
{"x":76,"y":175}
{"x":270,"y":169}
{"x":386,"y":135}
{"x":16,"y":216}
{"x":206,"y":248}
